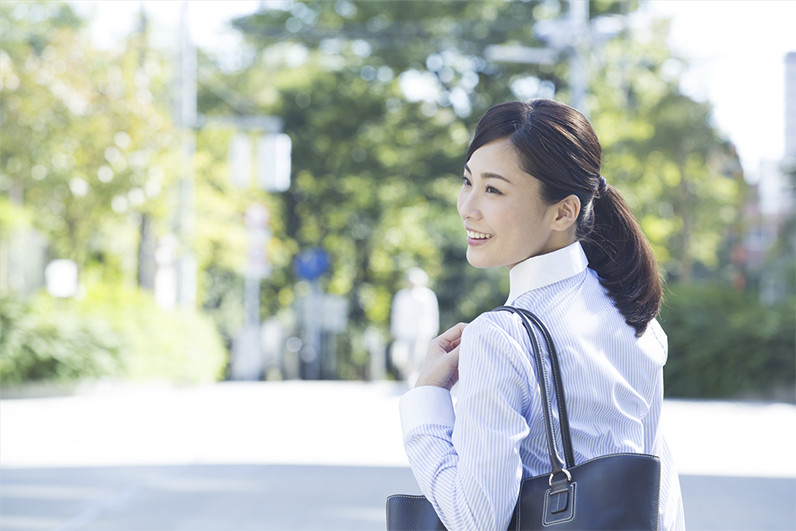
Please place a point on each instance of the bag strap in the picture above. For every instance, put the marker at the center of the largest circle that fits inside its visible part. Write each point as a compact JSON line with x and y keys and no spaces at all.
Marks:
{"x":529,"y":320}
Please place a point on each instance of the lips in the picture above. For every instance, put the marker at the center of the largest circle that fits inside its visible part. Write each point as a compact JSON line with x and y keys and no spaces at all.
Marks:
{"x":475,"y":238}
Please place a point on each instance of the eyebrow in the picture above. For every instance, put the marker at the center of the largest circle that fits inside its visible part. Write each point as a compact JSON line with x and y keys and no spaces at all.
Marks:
{"x":487,"y":174}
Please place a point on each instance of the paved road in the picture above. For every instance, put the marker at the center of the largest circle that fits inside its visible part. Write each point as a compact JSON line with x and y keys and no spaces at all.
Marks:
{"x":315,"y":456}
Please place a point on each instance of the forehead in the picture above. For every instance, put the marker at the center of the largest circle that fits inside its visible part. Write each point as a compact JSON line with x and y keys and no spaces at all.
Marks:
{"x":498,"y":156}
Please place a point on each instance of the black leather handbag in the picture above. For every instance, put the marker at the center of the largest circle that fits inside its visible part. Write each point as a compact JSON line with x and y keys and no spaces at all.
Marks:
{"x":617,"y":491}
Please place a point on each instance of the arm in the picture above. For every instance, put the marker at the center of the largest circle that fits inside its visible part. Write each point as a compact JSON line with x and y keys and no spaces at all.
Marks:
{"x":470,"y":467}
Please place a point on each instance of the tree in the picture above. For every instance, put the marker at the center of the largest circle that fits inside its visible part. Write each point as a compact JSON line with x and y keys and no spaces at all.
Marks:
{"x":85,"y":145}
{"x":660,"y":146}
{"x":375,"y":168}
{"x":375,"y":161}
{"x":87,"y":158}
{"x":380,"y":99}
{"x":681,"y":177}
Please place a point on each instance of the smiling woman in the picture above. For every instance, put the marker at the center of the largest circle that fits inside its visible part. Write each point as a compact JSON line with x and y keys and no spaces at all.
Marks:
{"x":533,"y":200}
{"x":549,"y":152}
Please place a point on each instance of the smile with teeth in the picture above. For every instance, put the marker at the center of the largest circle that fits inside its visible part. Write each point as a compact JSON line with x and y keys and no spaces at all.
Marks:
{"x":478,"y":235}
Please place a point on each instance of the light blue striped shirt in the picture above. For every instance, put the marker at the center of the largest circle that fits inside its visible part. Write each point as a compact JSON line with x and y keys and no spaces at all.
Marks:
{"x":469,"y":463}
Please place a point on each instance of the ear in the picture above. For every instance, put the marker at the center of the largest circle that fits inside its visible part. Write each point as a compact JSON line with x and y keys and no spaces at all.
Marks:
{"x":566,"y":213}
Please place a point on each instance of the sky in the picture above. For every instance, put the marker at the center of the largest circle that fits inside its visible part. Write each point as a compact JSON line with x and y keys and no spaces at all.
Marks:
{"x":735,"y":48}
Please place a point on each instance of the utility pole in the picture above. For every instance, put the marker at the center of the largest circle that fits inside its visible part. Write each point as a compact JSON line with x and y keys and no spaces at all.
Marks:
{"x":146,"y":242}
{"x":186,"y":209}
{"x":274,"y":148}
{"x":274,"y":158}
{"x":578,"y":64}
{"x":573,"y":38}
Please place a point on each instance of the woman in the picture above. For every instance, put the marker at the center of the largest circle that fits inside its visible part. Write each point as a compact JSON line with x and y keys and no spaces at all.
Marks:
{"x":533,"y":200}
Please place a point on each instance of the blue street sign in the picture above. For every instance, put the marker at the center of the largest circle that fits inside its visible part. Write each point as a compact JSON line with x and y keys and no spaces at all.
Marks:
{"x":311,"y":264}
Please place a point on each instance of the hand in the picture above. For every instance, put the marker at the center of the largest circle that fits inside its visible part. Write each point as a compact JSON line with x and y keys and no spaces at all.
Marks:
{"x":441,"y":366}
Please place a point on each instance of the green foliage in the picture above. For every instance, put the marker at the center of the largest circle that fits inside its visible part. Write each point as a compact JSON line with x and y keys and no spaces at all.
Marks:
{"x":376,"y":171}
{"x":13,"y":217}
{"x":88,"y":152}
{"x":681,"y":178}
{"x":727,"y":344}
{"x":176,"y":345}
{"x":54,"y":344}
{"x":375,"y":168}
{"x":86,"y":143}
{"x":117,"y":334}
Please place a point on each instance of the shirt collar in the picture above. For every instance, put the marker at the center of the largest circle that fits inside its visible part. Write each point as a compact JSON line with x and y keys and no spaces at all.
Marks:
{"x":545,"y":269}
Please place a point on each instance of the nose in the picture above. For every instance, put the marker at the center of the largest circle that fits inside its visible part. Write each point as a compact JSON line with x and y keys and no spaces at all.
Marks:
{"x":468,"y":204}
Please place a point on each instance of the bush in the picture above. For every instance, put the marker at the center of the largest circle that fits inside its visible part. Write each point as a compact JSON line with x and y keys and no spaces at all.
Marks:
{"x":112,"y":332}
{"x":180,"y":346}
{"x":58,"y":346}
{"x":727,"y":344}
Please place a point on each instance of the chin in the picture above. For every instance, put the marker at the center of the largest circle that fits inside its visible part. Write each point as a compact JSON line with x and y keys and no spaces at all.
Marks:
{"x":480,"y":262}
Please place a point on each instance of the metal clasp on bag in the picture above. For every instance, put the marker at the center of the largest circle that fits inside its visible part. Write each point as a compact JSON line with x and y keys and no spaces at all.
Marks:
{"x":559,"y":503}
{"x":565,"y":471}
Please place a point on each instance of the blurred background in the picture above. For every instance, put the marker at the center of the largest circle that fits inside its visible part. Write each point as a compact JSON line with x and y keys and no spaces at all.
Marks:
{"x":202,"y":192}
{"x":192,"y":191}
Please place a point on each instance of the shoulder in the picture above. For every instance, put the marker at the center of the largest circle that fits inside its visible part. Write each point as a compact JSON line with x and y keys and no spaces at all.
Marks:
{"x":655,"y":339}
{"x":498,"y":332}
{"x":494,"y":351}
{"x":494,"y":323}
{"x":401,"y":294}
{"x":428,"y":293}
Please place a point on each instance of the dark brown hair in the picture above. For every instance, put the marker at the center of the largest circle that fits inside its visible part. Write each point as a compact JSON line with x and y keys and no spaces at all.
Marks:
{"x":557,"y":145}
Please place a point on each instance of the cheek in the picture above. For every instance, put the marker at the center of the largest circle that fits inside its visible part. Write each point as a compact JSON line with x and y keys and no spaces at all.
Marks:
{"x":525,"y":223}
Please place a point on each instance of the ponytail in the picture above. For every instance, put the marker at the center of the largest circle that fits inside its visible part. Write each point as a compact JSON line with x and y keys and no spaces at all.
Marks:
{"x":622,"y":257}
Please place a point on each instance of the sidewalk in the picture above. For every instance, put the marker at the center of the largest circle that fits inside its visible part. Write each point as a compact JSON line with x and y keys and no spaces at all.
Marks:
{"x":316,"y":456}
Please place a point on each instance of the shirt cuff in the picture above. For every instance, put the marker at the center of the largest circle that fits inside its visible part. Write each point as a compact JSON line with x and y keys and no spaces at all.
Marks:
{"x":426,"y":404}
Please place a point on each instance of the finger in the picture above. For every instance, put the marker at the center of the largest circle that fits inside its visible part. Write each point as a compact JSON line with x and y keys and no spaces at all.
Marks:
{"x":446,"y":347}
{"x":453,"y":333}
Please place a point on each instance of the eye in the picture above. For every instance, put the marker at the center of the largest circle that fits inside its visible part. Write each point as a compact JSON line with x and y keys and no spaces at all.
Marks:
{"x":465,"y":181}
{"x":493,"y":190}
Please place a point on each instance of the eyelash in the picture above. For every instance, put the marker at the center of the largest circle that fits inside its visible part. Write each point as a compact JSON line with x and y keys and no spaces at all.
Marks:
{"x":489,"y":189}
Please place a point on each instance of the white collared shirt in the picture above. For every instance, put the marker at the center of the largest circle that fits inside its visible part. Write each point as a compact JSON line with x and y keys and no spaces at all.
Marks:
{"x":546,"y":269}
{"x":469,"y":462}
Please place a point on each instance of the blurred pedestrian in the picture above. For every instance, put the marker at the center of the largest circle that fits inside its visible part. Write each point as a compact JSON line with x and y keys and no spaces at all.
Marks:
{"x":533,"y":200}
{"x":414,"y":322}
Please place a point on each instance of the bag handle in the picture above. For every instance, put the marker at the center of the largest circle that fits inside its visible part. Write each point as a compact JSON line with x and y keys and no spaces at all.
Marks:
{"x":529,"y":319}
